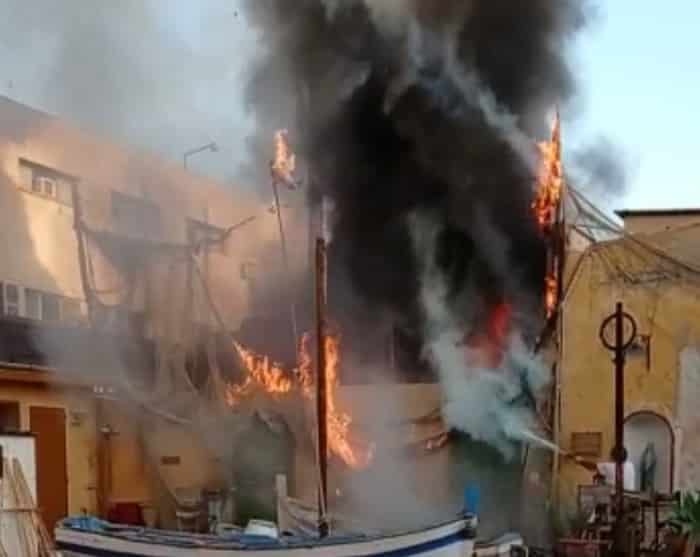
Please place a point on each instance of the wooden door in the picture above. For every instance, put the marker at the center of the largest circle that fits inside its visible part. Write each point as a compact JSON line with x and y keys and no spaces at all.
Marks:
{"x":49,"y":427}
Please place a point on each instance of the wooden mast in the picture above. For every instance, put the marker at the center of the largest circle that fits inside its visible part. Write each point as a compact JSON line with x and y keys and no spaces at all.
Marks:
{"x":321,"y":392}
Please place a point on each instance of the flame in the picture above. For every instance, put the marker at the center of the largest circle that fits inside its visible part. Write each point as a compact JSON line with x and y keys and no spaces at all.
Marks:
{"x":551,"y":287}
{"x":338,"y":422}
{"x":550,"y":182}
{"x":271,"y":378}
{"x":488,"y":346}
{"x":305,"y":373}
{"x":262,"y":373}
{"x":284,"y":163}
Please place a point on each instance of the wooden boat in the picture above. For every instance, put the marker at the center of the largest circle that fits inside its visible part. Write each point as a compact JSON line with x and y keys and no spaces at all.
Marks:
{"x":85,"y":537}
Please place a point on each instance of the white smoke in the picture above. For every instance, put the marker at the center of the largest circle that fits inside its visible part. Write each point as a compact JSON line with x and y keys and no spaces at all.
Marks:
{"x":476,"y":400}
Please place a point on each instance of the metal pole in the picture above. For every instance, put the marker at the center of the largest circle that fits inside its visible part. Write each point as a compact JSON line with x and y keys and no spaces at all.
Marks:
{"x":285,"y":261}
{"x":619,"y":347}
{"x":321,"y":402}
{"x":619,"y":407}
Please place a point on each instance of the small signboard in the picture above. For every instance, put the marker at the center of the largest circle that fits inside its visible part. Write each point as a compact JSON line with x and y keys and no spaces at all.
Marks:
{"x":587,"y":444}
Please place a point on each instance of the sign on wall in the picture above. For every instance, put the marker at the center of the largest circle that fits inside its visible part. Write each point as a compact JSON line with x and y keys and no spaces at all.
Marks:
{"x":587,"y":444}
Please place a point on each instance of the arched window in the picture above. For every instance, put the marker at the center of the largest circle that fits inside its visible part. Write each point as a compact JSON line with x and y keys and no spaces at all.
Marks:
{"x":650,"y":441}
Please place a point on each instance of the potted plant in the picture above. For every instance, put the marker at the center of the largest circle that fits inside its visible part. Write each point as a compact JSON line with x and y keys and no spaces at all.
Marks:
{"x":686,"y":519}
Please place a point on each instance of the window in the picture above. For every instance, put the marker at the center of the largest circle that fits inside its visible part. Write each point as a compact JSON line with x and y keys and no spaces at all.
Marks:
{"x":32,"y":304}
{"x":46,"y":182}
{"x":9,"y":416}
{"x":41,"y":306}
{"x":11,"y":299}
{"x":199,"y":232}
{"x":135,"y":216}
{"x":50,"y":308}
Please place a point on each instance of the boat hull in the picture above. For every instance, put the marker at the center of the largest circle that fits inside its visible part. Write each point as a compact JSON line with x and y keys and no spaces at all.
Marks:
{"x":454,"y":539}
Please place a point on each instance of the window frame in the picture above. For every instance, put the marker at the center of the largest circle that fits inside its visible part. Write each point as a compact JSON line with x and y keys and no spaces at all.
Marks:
{"x":31,"y":173}
{"x":62,"y":317}
{"x":19,"y":303}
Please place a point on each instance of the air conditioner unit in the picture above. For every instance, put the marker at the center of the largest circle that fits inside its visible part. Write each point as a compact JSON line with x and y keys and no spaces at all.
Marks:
{"x":48,"y":186}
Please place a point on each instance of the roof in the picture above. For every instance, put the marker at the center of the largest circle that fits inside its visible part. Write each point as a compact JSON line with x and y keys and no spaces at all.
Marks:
{"x":687,"y":212}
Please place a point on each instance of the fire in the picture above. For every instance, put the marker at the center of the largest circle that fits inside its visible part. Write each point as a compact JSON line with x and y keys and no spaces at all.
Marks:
{"x":272,"y":379}
{"x":305,"y":372}
{"x":262,"y":373}
{"x":489,"y":344}
{"x":546,"y":207}
{"x":339,"y":422}
{"x":549,"y":181}
{"x":550,"y":293}
{"x":284,"y":163}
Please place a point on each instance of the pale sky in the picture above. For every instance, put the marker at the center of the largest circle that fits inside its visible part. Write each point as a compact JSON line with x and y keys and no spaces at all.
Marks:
{"x":641,"y":87}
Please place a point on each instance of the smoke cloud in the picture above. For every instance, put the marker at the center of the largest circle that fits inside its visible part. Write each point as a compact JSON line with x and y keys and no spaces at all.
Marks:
{"x":600,"y":167}
{"x":415,"y":110}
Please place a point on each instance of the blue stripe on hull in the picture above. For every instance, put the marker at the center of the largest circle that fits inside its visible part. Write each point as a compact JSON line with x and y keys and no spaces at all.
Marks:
{"x":404,"y":552}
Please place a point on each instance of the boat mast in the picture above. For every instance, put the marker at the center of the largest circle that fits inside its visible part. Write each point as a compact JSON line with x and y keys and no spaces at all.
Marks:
{"x":321,"y":403}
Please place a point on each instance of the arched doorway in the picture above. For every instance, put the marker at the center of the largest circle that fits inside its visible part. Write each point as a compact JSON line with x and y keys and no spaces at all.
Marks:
{"x":650,"y":445}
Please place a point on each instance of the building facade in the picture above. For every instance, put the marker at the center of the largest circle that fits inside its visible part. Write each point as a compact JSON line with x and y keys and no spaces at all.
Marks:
{"x":654,"y":270}
{"x":112,"y":258}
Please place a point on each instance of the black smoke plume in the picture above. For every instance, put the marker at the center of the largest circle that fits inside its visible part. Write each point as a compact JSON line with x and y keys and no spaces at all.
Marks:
{"x":422,"y":107}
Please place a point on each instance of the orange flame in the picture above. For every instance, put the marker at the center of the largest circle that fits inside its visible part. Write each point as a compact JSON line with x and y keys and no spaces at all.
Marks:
{"x":339,"y":422}
{"x":550,"y":182}
{"x":551,"y":287}
{"x":271,"y":378}
{"x":304,"y":373}
{"x":489,"y":345}
{"x":284,"y":163}
{"x":262,"y":373}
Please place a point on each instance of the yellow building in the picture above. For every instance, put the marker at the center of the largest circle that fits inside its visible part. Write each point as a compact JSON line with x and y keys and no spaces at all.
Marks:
{"x":654,"y":269}
{"x":79,"y":210}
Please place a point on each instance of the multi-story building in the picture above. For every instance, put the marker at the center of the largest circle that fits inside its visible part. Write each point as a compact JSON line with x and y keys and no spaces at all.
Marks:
{"x":112,"y":258}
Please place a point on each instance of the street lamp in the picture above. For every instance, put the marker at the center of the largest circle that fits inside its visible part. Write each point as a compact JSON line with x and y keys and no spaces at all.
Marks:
{"x":213,"y":147}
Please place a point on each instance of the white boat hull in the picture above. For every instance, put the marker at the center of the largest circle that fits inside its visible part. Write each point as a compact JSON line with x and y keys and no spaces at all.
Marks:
{"x":454,"y":539}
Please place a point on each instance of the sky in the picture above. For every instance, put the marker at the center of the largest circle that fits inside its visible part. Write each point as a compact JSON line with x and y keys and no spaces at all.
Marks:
{"x":637,"y":66}
{"x":640,"y":73}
